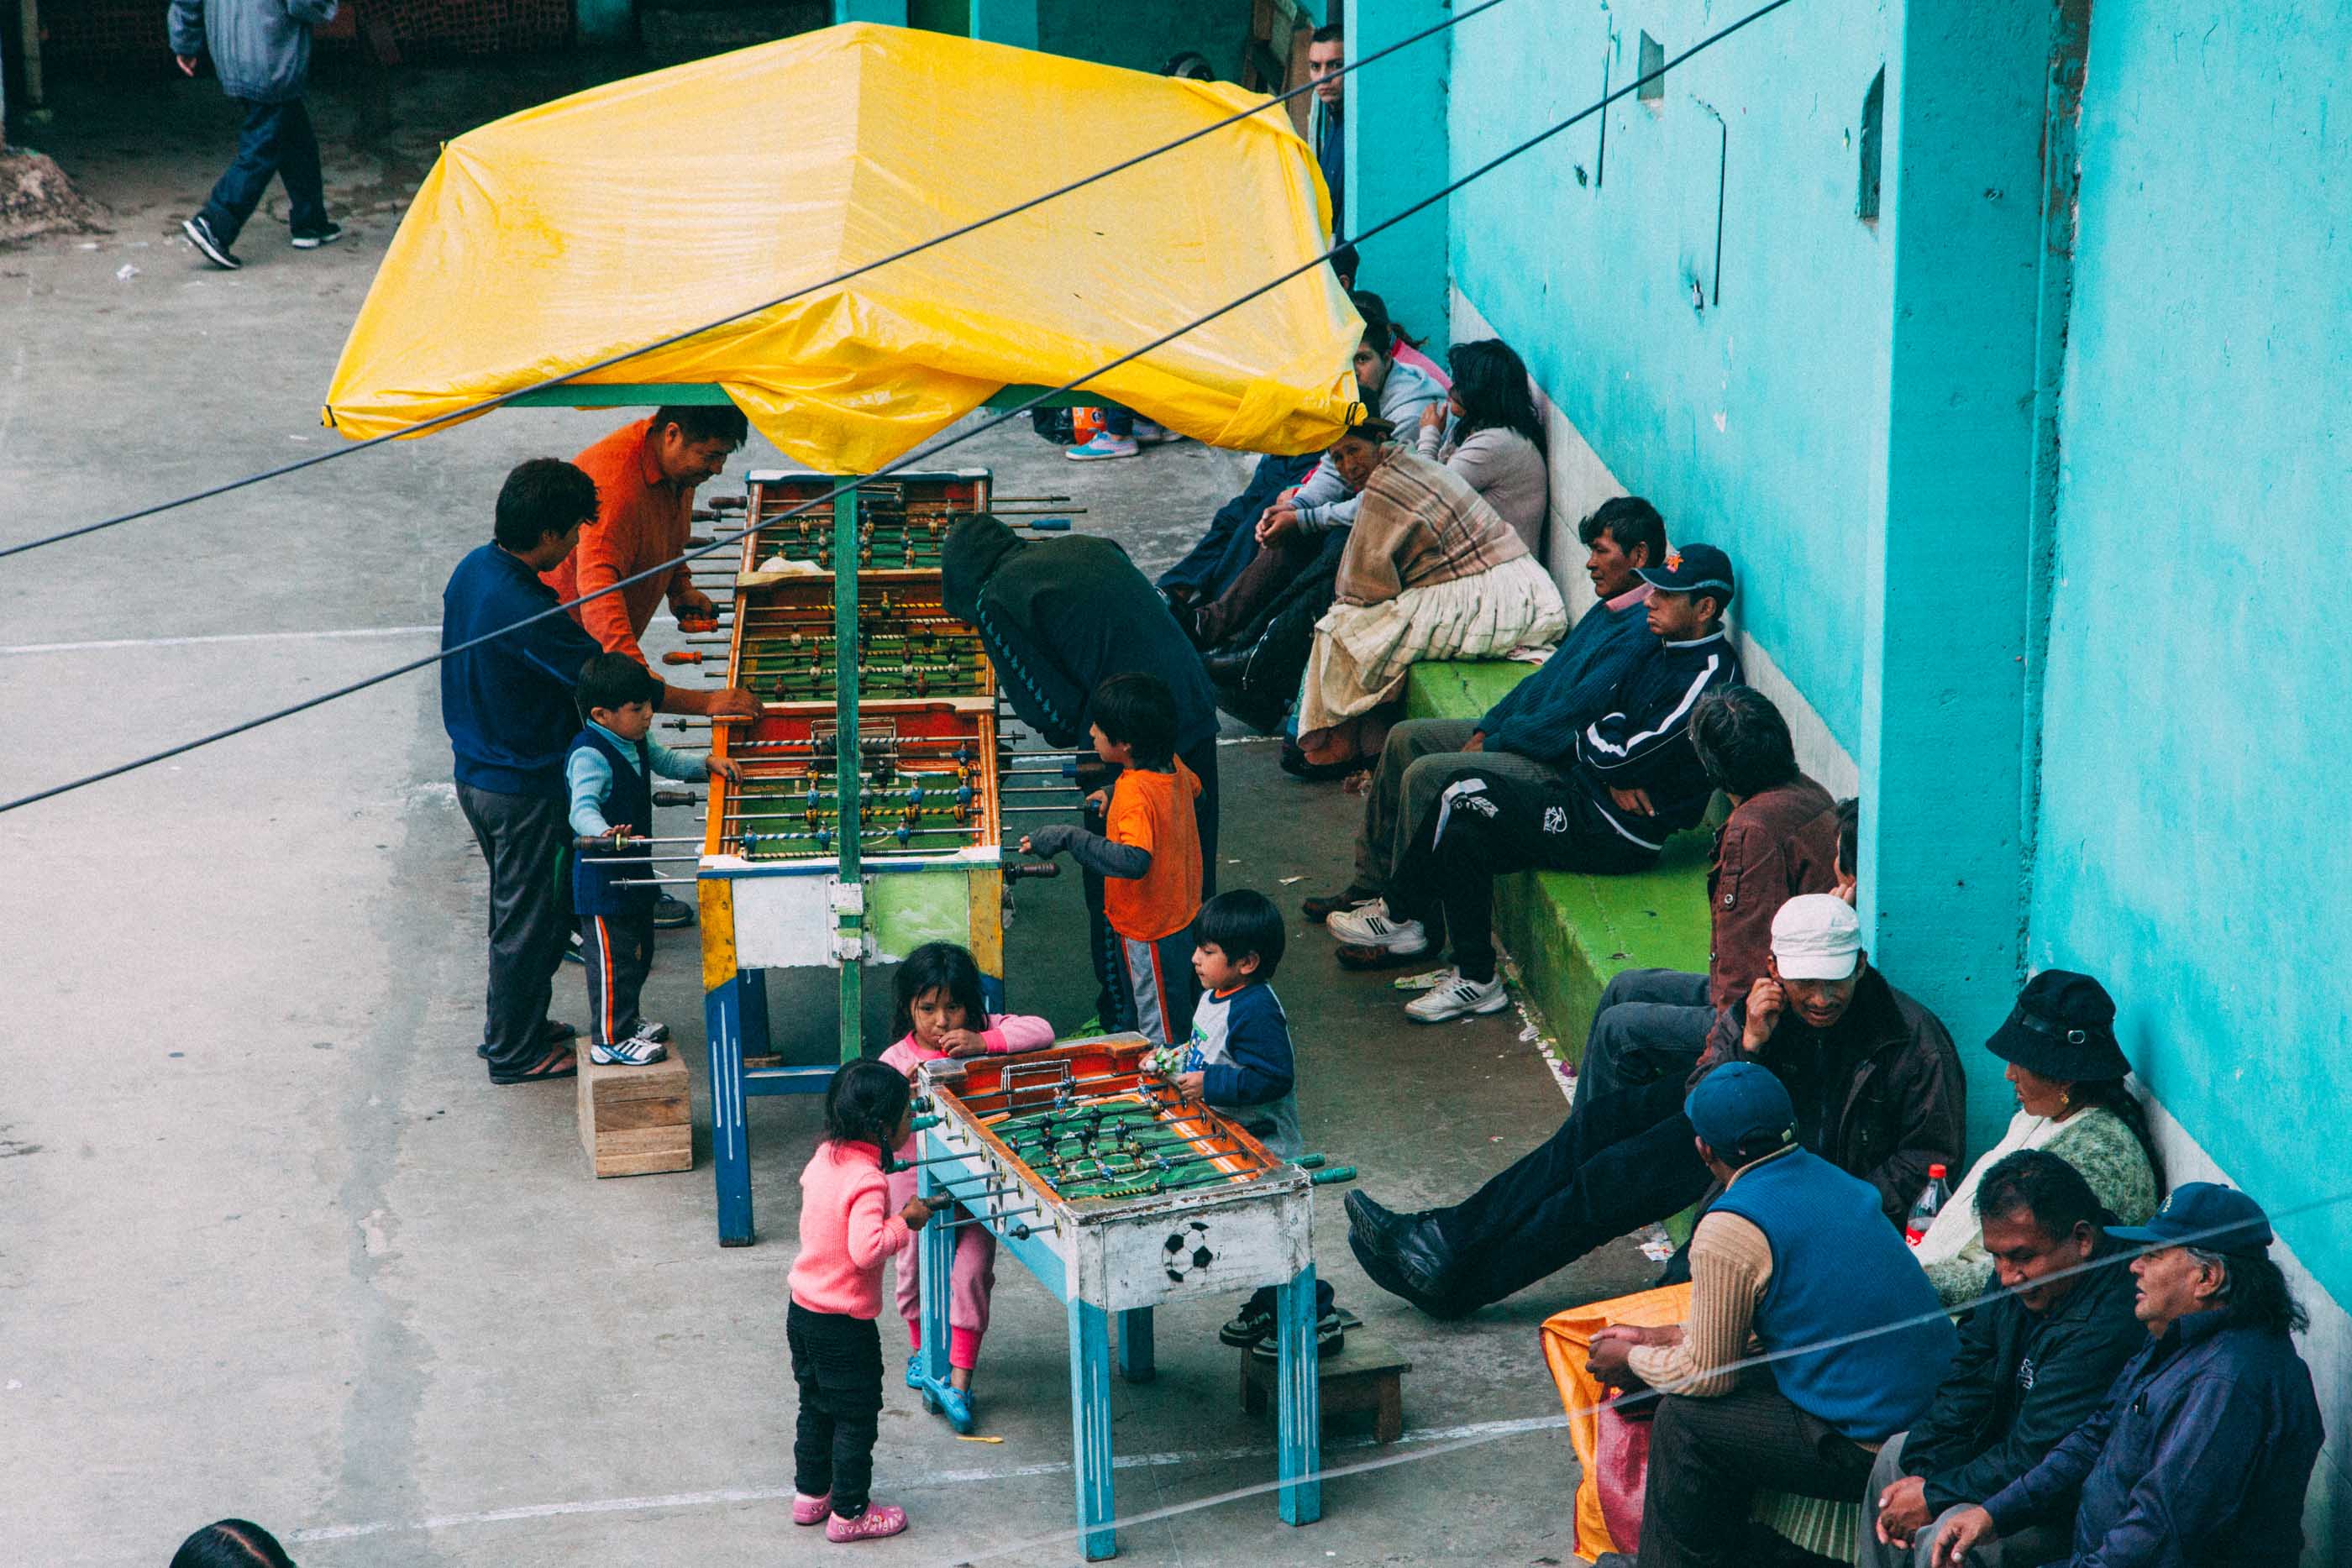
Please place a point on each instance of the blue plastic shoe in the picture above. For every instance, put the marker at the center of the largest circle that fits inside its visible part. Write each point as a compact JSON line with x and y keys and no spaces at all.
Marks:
{"x":955,"y":1404}
{"x":915,"y":1371}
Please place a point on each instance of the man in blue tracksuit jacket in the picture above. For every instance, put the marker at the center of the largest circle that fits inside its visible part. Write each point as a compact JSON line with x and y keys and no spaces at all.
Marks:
{"x":2202,"y":1453}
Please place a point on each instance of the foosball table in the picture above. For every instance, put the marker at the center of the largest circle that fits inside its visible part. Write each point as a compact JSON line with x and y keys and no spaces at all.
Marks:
{"x":1118,"y":1196}
{"x":869,"y":819}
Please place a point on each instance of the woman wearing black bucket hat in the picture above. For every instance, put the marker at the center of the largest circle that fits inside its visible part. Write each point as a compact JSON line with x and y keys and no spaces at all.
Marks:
{"x":2060,"y":1043}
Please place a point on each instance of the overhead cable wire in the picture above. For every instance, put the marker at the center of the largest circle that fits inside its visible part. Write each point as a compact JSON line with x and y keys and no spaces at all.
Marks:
{"x":1621,"y":1400}
{"x":912,"y":459}
{"x":568,"y":377}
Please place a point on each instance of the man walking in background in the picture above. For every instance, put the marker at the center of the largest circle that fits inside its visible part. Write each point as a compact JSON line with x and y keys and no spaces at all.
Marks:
{"x":261,"y":51}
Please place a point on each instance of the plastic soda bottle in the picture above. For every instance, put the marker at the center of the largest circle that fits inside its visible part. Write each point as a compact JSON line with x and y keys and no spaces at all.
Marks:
{"x":1937,"y":1193}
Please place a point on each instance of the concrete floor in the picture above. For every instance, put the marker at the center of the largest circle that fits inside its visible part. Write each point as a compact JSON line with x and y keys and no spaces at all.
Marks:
{"x":270,"y":1246}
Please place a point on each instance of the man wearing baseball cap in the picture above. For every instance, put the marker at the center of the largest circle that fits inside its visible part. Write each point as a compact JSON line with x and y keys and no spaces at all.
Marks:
{"x":1635,"y":782}
{"x":1794,"y":1253}
{"x":2204,"y":1447}
{"x":1875,"y":1086}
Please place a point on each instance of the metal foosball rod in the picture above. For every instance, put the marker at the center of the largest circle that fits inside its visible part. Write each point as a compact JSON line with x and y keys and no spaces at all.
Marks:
{"x":1018,"y":1233}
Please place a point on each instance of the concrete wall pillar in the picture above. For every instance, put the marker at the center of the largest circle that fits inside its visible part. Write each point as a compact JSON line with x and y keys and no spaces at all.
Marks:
{"x":1011,"y":22}
{"x":1945,"y":858}
{"x":1398,"y":153}
{"x":892,"y":13}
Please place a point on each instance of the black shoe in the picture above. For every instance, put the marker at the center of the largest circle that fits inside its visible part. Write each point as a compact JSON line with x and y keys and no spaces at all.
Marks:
{"x":1228,"y":666}
{"x":669,"y":914}
{"x":554,"y":1031}
{"x":1385,"y":1273}
{"x":1423,"y":1257}
{"x":1380,"y":1227}
{"x":1330,"y":1338}
{"x":208,"y":246}
{"x":1249,"y":1326}
{"x":1295,"y":763}
{"x":1322,"y":906}
{"x":312,"y":239}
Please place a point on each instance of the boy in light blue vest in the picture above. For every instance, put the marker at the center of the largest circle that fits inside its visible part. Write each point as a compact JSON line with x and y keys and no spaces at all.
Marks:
{"x":610,"y":774}
{"x":1239,"y":1059}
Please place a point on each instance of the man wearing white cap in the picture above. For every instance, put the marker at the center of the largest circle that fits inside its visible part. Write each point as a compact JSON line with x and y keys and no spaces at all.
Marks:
{"x":1871,"y":1075}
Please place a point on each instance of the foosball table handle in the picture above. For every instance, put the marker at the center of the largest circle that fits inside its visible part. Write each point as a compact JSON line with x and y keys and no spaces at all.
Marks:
{"x":920,"y":1122}
{"x":677,"y":798}
{"x":1047,"y":524}
{"x":1309,"y":1162}
{"x":1336,"y":1174}
{"x":1014,"y":870}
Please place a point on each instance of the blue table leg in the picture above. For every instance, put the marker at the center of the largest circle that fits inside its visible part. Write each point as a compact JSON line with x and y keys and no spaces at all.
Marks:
{"x":1135,"y":1362}
{"x":1298,"y":1443}
{"x":730,"y":1155}
{"x":1090,"y":1427}
{"x":937,"y":1269}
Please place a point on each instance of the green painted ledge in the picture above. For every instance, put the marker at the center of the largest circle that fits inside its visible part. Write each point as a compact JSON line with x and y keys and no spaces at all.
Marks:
{"x":1569,"y":933}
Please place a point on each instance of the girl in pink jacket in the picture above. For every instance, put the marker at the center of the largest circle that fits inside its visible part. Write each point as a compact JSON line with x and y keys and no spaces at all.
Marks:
{"x":849,"y":1224}
{"x":941,"y":1014}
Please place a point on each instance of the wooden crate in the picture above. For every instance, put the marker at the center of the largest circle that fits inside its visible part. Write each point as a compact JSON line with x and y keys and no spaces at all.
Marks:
{"x":636,"y":1120}
{"x":1366,"y":1374}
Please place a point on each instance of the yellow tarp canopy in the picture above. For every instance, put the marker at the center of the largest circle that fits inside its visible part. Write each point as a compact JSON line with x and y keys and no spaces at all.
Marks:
{"x":555,"y":237}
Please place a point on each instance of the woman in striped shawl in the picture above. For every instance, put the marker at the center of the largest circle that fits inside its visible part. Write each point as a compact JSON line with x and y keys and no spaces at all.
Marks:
{"x":1432,"y":571}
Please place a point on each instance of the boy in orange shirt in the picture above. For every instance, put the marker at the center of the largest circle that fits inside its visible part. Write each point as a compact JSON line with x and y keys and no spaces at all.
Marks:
{"x":1148,"y":855}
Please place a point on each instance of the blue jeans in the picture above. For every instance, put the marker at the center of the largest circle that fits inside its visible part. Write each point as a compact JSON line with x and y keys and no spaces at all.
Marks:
{"x":1118,"y":420}
{"x":1231,"y":539}
{"x":275,"y":140}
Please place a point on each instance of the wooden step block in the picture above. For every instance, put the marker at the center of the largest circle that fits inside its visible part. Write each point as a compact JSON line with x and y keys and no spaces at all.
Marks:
{"x":1366,"y":1373}
{"x":636,"y":1120}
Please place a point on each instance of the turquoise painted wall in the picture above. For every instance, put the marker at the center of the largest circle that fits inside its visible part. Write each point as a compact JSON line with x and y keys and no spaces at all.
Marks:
{"x":1759,"y":422}
{"x":2196,"y":723}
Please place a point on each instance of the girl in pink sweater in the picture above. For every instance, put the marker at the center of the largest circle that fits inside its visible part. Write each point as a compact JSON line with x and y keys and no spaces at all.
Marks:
{"x":848,"y":1227}
{"x":941,"y":1014}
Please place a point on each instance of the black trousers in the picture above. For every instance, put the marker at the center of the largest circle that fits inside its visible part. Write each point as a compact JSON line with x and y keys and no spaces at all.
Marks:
{"x":618,"y":950}
{"x":524,"y":837}
{"x":275,"y":141}
{"x":1708,"y":1458}
{"x":1616,"y":1164}
{"x":1484,"y":825}
{"x":837,"y":1362}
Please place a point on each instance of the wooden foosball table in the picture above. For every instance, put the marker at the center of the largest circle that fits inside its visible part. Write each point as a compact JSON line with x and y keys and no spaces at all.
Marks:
{"x":869,"y":819}
{"x":1118,"y":1197}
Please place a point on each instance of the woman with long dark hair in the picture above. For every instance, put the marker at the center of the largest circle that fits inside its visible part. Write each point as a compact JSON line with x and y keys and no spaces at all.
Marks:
{"x":1489,"y":432}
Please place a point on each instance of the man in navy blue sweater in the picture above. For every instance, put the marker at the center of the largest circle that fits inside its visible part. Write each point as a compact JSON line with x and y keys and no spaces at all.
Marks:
{"x":508,"y":708}
{"x":1530,"y":735}
{"x":1637,"y":781}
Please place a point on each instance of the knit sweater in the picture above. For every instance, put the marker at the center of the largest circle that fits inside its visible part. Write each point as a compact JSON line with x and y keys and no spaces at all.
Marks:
{"x":2093,"y":1141}
{"x":847,"y":1231}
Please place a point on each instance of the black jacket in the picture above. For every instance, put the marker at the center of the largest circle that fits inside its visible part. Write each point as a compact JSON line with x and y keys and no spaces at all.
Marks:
{"x":2023,"y":1381}
{"x":1059,"y":617}
{"x":1879,"y":1093}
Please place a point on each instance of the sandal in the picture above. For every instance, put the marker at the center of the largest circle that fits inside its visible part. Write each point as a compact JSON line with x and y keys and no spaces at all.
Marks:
{"x":559,"y":1062}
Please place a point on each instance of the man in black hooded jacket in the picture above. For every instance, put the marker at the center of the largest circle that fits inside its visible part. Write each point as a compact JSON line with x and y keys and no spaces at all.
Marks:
{"x":1061,"y":616}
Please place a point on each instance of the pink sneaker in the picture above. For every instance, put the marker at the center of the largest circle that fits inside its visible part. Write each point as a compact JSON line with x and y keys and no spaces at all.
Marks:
{"x":879,"y":1519}
{"x":807,"y":1510}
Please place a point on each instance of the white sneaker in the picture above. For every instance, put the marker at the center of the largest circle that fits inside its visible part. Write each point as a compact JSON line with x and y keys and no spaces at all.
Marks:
{"x":1455,"y":996}
{"x":1371,"y":927}
{"x":648,"y":1029}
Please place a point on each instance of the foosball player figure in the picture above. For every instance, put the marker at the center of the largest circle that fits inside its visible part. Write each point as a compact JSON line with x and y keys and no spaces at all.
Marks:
{"x":610,"y":774}
{"x":1239,"y":1060}
{"x":942,"y":1016}
{"x":1148,"y":855}
{"x":848,"y":1227}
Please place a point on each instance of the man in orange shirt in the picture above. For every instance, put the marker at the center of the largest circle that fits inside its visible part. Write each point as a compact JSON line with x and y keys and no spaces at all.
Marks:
{"x":646,"y":476}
